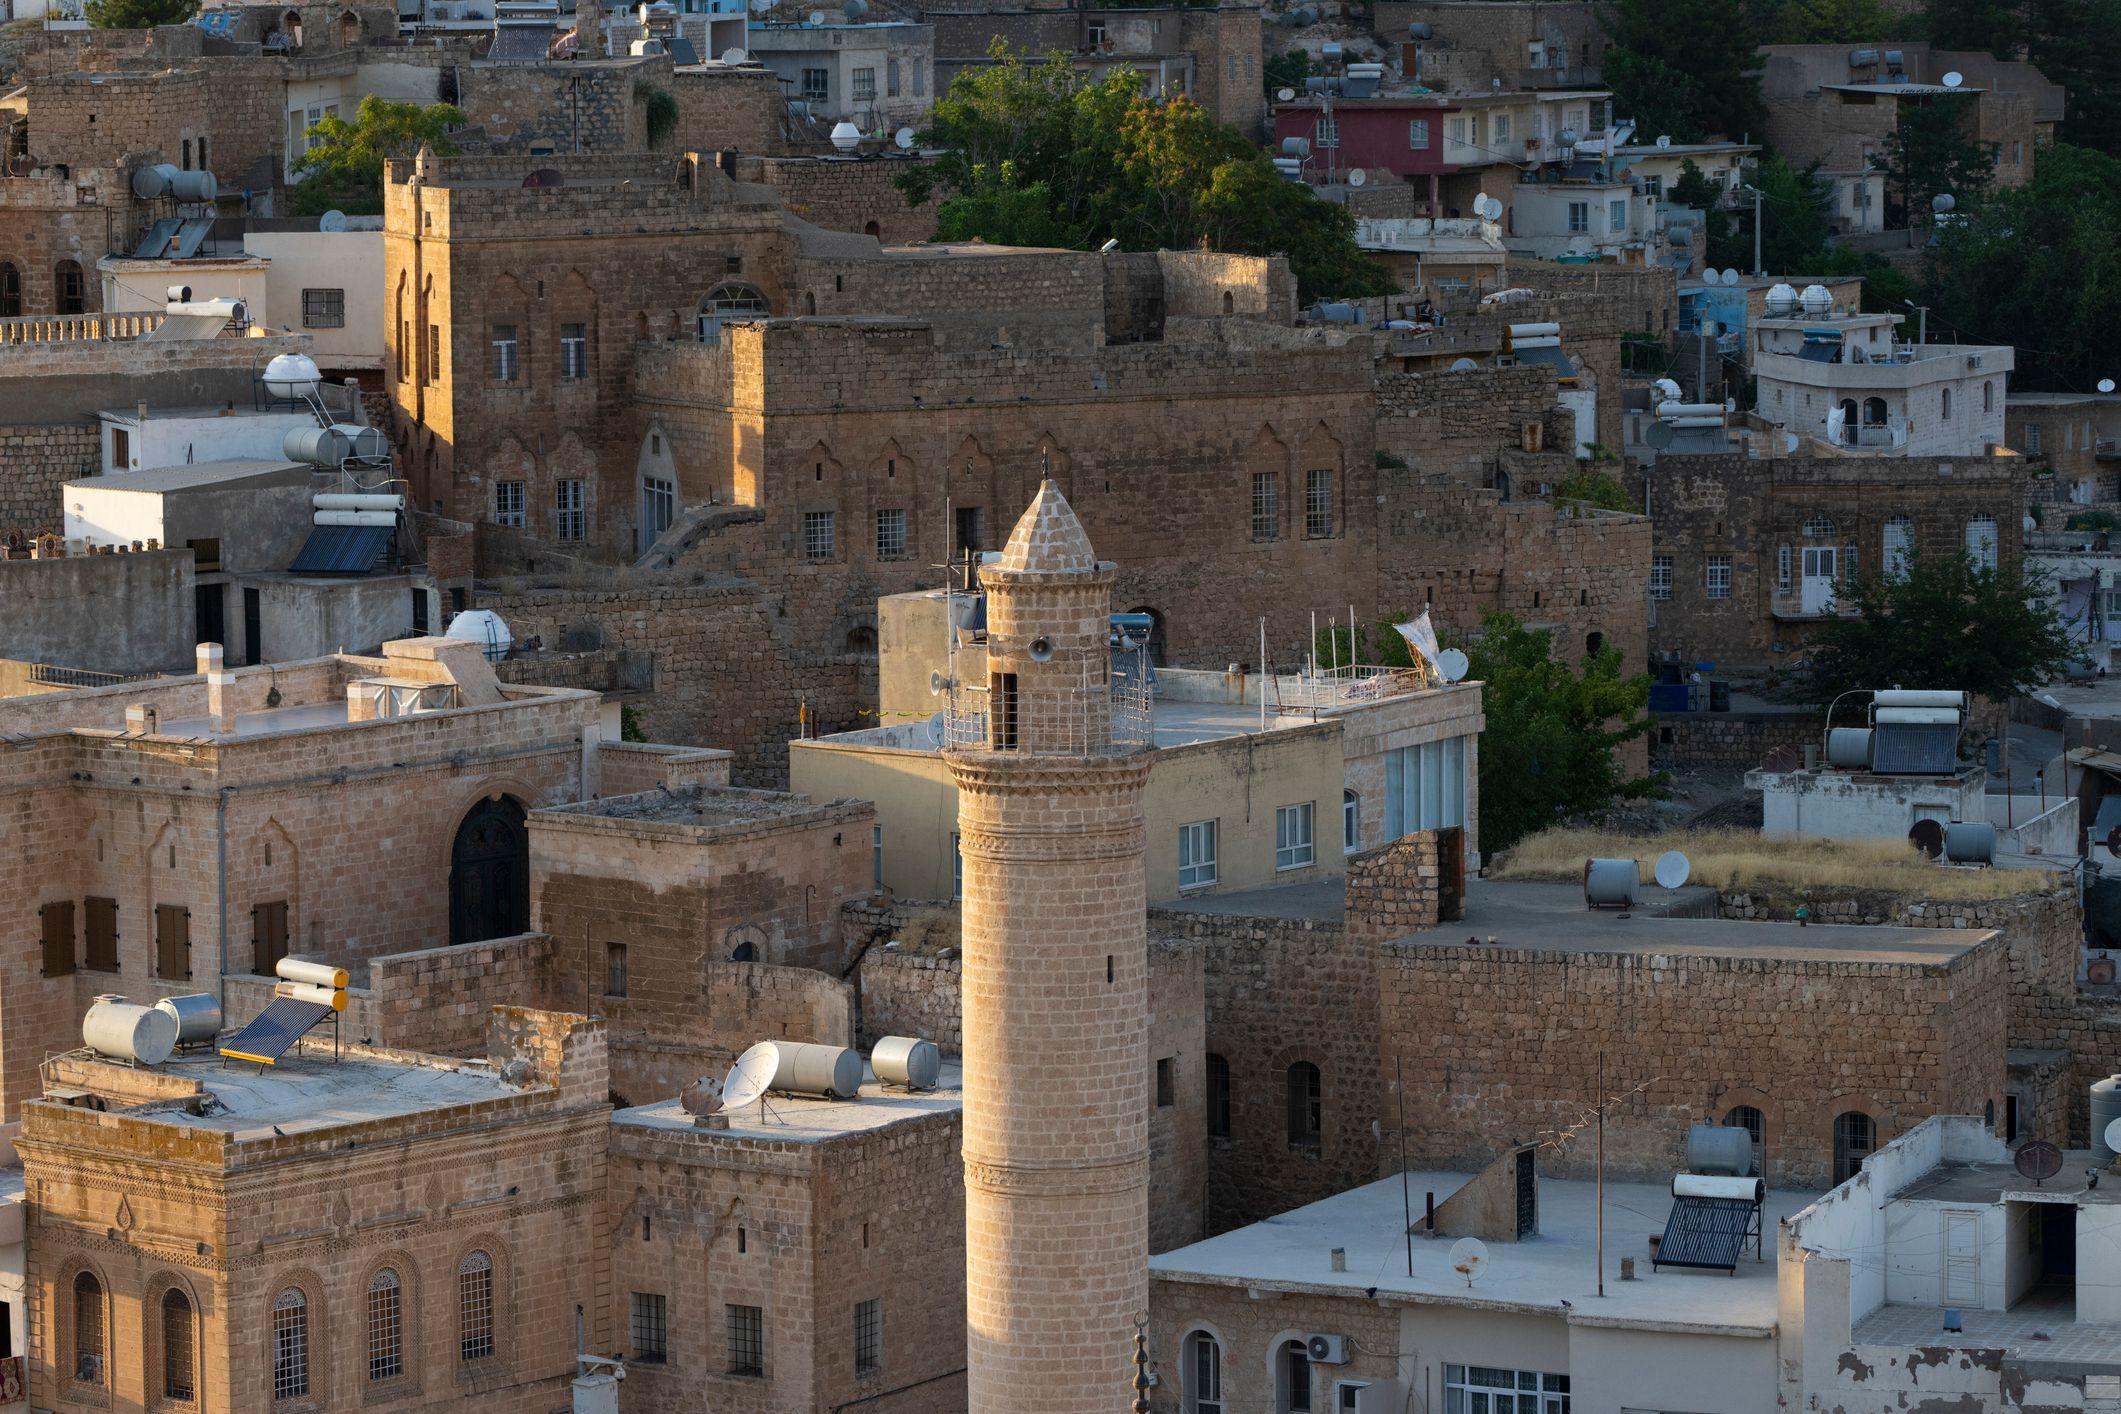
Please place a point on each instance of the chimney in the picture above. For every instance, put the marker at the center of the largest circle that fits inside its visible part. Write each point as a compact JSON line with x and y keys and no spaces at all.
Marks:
{"x":220,"y":699}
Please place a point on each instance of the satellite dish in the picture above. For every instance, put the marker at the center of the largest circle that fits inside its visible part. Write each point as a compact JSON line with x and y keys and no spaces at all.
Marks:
{"x":815,"y":19}
{"x":1469,"y":1258}
{"x":733,"y":56}
{"x":1730,"y":405}
{"x":749,"y":1077}
{"x":2113,"y":1134}
{"x":332,"y":221}
{"x":1789,"y":442}
{"x":1284,"y":95}
{"x":2113,"y":841}
{"x":1357,"y":177}
{"x":2106,"y":385}
{"x":1452,"y":664}
{"x":1673,"y":870}
{"x":2039,"y":1160}
{"x":1664,"y":142}
{"x":1658,"y":435}
{"x":1954,"y":79}
{"x":1463,"y":365}
{"x":903,"y":139}
{"x":937,"y":731}
{"x":1730,"y":277}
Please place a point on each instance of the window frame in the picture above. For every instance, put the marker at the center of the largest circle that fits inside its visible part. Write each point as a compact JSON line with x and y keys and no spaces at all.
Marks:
{"x":385,"y":1318}
{"x":292,"y":1349}
{"x":820,"y":537}
{"x":323,"y":308}
{"x":1661,"y":573}
{"x":1350,"y":822}
{"x":1197,"y":861}
{"x":648,"y":1327}
{"x":1295,"y":836}
{"x":570,"y":508}
{"x":505,"y":343}
{"x":1320,"y":519}
{"x":894,"y":545}
{"x":477,"y":1328}
{"x":510,"y":503}
{"x":868,"y":1337}
{"x":1718,"y":575}
{"x":1266,"y":506}
{"x":574,"y":353}
{"x":1307,"y":1106}
{"x":745,"y":1335}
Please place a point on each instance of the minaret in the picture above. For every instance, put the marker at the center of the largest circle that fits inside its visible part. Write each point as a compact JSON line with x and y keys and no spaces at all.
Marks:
{"x":1055,"y":991}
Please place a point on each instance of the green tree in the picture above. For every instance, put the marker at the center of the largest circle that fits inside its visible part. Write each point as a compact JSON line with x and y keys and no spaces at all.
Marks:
{"x":1929,"y":151}
{"x":1793,"y":216}
{"x":2073,"y":43}
{"x":1038,"y":154}
{"x":344,"y":171}
{"x":1829,"y":22}
{"x":1997,"y":26}
{"x":140,"y":14}
{"x":1695,"y":190}
{"x":1944,"y":621}
{"x":1686,"y":68}
{"x":1286,"y":70}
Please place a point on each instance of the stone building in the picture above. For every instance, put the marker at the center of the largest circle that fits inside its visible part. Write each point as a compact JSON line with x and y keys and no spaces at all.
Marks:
{"x":2075,"y":436}
{"x":1469,"y":44}
{"x":1847,"y":382}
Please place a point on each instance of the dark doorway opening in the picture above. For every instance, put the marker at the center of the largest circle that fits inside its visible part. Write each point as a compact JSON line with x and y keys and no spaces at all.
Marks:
{"x":209,"y":613}
{"x":489,"y":874}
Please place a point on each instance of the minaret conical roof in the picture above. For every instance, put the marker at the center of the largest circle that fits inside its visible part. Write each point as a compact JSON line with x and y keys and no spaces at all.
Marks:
{"x":1049,"y":539}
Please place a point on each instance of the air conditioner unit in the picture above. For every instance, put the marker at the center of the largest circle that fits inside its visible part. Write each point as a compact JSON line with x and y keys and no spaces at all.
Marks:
{"x":1327,"y":1349}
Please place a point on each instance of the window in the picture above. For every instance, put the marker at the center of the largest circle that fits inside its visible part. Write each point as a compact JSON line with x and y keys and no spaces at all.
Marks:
{"x":505,"y":363}
{"x":1899,"y":546}
{"x":868,"y":1336}
{"x":434,"y":353}
{"x":1653,"y":188}
{"x":88,"y":1329}
{"x":172,"y":941}
{"x":1166,"y":1082}
{"x":1467,"y":1388}
{"x":1719,"y":576}
{"x":1292,"y":836}
{"x":817,"y":85}
{"x":1579,"y":217}
{"x":971,"y":530}
{"x":1944,"y":403}
{"x":1782,"y":569}
{"x":1417,"y":133}
{"x":1660,"y":576}
{"x":1328,"y":131}
{"x":1218,"y":1097}
{"x":1454,"y":131}
{"x":614,"y":969}
{"x":508,"y":503}
{"x":323,"y":309}
{"x":650,"y":1333}
{"x":864,"y":85}
{"x":268,"y":937}
{"x":178,"y":1382}
{"x":386,"y":1326}
{"x":1617,"y":215}
{"x":567,"y":517}
{"x":659,"y":507}
{"x":957,"y":866}
{"x":1096,"y":34}
{"x":1306,"y":1108}
{"x":1855,"y":1136}
{"x":730,"y":300}
{"x":1981,"y":542}
{"x":891,"y":83}
{"x":1350,"y":821}
{"x":2032,"y":430}
{"x":1344,"y":1395}
{"x":1292,"y":1378}
{"x":1318,"y":504}
{"x":70,"y":288}
{"x":121,"y":449}
{"x":1203,"y":1374}
{"x":1988,"y":397}
{"x":1749,"y":1118}
{"x":1001,"y":711}
{"x":56,"y":924}
{"x":101,"y":915}
{"x":574,"y":352}
{"x":1818,"y":528}
{"x":475,"y":1307}
{"x":890,"y":535}
{"x":1196,"y":854}
{"x":747,"y":1340}
{"x":1266,"y":505}
{"x":290,"y":1345}
{"x":920,"y":79}
{"x":817,"y":535}
{"x":876,"y":858}
{"x":10,"y":291}
{"x":1425,"y":787}
{"x":1499,"y":128}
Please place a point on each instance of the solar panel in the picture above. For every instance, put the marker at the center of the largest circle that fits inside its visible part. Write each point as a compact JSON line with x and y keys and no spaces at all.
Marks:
{"x":343,"y":549}
{"x":273,"y":1031}
{"x":1707,"y":1232}
{"x":1915,"y":748}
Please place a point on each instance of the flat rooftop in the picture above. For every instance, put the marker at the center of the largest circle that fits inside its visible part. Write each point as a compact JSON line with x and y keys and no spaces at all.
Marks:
{"x":307,"y":1091}
{"x":2042,"y":1331}
{"x":193,"y":476}
{"x":192,"y":412}
{"x":796,"y":1119}
{"x":1952,"y":1182}
{"x":1559,"y":1264}
{"x":699,"y":805}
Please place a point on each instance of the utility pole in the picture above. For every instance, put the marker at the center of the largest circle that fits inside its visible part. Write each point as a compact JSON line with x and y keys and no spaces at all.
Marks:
{"x":1758,"y":269}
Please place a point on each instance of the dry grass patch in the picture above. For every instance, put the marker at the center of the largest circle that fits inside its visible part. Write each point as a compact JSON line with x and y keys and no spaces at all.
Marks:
{"x":1735,"y":861}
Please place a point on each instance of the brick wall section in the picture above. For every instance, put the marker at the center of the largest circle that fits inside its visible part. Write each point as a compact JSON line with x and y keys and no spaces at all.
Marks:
{"x":46,"y":218}
{"x":844,"y":196}
{"x":727,"y":108}
{"x":1694,"y":739}
{"x":1249,"y":1331}
{"x":632,"y":766}
{"x":234,"y":104}
{"x":34,"y":463}
{"x":577,"y":108}
{"x":1473,"y":43}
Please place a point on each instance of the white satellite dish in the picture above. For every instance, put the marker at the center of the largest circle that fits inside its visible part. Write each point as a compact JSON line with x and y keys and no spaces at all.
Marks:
{"x":1730,"y":405}
{"x":749,"y":1077}
{"x":2113,"y":1135}
{"x":1469,"y":1258}
{"x":1789,"y":443}
{"x":1672,"y":869}
{"x":1954,"y":79}
{"x":1357,"y":177}
{"x":1463,"y":365}
{"x":332,"y":222}
{"x":937,"y":731}
{"x":1730,"y":276}
{"x":1452,"y":665}
{"x":733,"y":56}
{"x":1664,"y":142}
{"x":903,"y":139}
{"x":816,"y":19}
{"x":1284,"y":95}
{"x":2106,"y":385}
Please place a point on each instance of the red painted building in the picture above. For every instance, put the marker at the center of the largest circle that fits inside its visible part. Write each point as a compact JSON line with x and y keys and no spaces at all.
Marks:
{"x":1404,"y":136}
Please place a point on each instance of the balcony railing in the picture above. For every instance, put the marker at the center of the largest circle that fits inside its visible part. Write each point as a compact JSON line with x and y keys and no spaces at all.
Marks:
{"x":76,"y":328}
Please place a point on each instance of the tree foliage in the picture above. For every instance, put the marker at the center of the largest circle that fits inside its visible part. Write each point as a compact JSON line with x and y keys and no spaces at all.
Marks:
{"x":1930,"y":151}
{"x":1943,"y":622}
{"x":344,"y":171}
{"x":1686,"y":68}
{"x":661,"y":113}
{"x":1826,"y":22}
{"x":1039,"y":154}
{"x":139,"y":14}
{"x":2071,"y":42}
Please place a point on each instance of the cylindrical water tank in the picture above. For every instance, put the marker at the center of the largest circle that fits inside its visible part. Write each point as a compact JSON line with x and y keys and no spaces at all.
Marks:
{"x":1610,"y":883}
{"x":801,"y":1068}
{"x":193,"y":186}
{"x":1719,"y":1185}
{"x":1916,"y":716}
{"x":2106,"y":1108}
{"x":1670,"y":408}
{"x":1534,"y":331}
{"x":1334,"y":312}
{"x":907,"y":1061}
{"x":152,"y":183}
{"x":1719,"y":1149}
{"x":1918,"y":697}
{"x":357,"y":501}
{"x":333,"y":997}
{"x":375,"y":518}
{"x":1849,"y":748}
{"x":197,"y":1014}
{"x":116,"y":1027}
{"x":483,"y":627}
{"x":317,"y":974}
{"x":1296,"y":147}
{"x":178,"y":294}
{"x":365,"y":442}
{"x":319,"y":446}
{"x":1970,"y":842}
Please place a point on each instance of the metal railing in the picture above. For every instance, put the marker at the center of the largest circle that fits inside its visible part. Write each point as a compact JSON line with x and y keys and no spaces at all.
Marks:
{"x":77,"y":328}
{"x":1350,"y":685}
{"x":52,"y":675}
{"x":1092,"y":719}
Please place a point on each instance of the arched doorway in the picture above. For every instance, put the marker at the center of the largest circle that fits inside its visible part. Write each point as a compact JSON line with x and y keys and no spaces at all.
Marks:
{"x":489,"y":873}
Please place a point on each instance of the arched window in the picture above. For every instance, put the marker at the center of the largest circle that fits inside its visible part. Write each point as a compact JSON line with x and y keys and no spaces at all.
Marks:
{"x":1874,"y":412}
{"x":10,"y":291}
{"x":1749,"y":1118}
{"x":1818,"y":527}
{"x":861,"y":639}
{"x":1306,"y":1106}
{"x":1292,"y":1379}
{"x":732,"y":299}
{"x":475,"y":1307}
{"x":1203,"y":1374}
{"x":1855,"y":1136}
{"x":1229,"y":303}
{"x":1350,"y":821}
{"x":70,"y":291}
{"x":1944,"y":403}
{"x":88,"y":1329}
{"x":290,"y":1345}
{"x":1593,"y":641}
{"x":178,"y":1381}
{"x":1218,"y":1097}
{"x":386,"y":1326}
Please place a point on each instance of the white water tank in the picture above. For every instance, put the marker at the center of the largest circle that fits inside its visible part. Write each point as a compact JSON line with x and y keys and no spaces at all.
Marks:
{"x":1849,"y":748}
{"x":801,"y":1068}
{"x":596,"y":1392}
{"x":1610,"y":883}
{"x":1970,"y":842}
{"x":119,"y":1028}
{"x":194,"y":186}
{"x":1918,"y":697}
{"x":356,"y":501}
{"x":2106,"y":1108}
{"x":846,"y":136}
{"x":292,"y":376}
{"x":907,"y":1061}
{"x":370,"y":518}
{"x":1781,"y":300}
{"x":1816,"y":301}
{"x":483,"y":627}
{"x":318,"y":446}
{"x":316,"y":974}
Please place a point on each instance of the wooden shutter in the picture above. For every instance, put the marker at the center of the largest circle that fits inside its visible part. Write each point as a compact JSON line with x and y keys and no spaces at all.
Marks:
{"x":102,"y":922}
{"x":268,"y":936}
{"x":172,"y":941}
{"x":58,"y":923}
